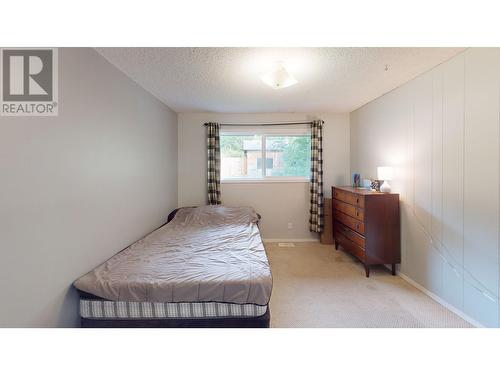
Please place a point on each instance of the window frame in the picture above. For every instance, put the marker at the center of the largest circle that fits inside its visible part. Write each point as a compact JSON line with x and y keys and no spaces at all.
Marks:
{"x":263,"y":134}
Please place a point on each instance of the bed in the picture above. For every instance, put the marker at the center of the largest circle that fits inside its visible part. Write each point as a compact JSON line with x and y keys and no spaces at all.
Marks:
{"x":207,"y":267}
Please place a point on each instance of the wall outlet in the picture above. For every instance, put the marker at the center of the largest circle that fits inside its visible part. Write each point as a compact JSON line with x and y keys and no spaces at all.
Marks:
{"x":290,"y":225}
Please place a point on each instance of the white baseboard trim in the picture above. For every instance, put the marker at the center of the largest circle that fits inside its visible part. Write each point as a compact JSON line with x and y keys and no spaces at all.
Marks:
{"x":290,"y":240}
{"x":440,"y":301}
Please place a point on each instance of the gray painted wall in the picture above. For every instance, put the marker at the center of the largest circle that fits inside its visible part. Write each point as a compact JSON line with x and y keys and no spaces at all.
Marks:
{"x":441,"y":133}
{"x":77,"y":188}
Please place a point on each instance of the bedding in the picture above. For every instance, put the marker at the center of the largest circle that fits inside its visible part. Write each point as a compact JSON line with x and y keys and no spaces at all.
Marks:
{"x":204,"y":254}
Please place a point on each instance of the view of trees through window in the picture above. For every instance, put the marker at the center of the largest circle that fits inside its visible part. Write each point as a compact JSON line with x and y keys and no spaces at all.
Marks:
{"x":285,"y":155}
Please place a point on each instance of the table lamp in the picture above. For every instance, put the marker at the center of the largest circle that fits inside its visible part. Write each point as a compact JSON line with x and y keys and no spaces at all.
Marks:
{"x":385,"y":173}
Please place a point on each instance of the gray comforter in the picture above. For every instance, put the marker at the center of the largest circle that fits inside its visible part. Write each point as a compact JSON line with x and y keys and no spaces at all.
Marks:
{"x":210,"y":253}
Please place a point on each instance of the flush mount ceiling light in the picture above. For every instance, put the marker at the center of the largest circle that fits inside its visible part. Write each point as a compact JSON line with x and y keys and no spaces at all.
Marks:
{"x":278,"y":77}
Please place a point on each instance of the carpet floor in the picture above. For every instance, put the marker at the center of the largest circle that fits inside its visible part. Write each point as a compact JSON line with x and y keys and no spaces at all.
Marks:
{"x":316,"y":286}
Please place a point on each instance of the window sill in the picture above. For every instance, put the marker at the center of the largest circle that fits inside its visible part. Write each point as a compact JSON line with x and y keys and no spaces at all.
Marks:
{"x":265,"y":180}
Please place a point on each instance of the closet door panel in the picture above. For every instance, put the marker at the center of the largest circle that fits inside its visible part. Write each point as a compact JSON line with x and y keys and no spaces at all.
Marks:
{"x":407,"y":173}
{"x":437,"y":155}
{"x":418,"y":246}
{"x":422,"y":152}
{"x":420,"y":220}
{"x":434,"y":269}
{"x":425,"y":261}
{"x":481,"y":179}
{"x":452,"y":284}
{"x":453,"y":144}
{"x":479,"y":304}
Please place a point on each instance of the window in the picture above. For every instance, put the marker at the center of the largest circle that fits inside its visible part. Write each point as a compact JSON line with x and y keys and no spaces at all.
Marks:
{"x":269,"y":163}
{"x":287,"y":154}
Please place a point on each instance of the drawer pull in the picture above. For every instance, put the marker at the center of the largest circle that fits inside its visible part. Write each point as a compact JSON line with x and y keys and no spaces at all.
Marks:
{"x":357,"y":226}
{"x":357,"y":200}
{"x":357,"y":213}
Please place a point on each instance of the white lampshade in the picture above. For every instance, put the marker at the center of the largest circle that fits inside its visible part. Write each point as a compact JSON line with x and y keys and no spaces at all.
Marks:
{"x":278,"y":77}
{"x":384,"y":173}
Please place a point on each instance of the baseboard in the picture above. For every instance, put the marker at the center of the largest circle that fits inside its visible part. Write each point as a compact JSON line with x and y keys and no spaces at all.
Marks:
{"x":440,"y":301}
{"x":290,"y":240}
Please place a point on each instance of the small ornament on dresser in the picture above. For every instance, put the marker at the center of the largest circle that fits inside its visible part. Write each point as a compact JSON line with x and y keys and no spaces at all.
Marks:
{"x":376,"y":185}
{"x":356,"y":180}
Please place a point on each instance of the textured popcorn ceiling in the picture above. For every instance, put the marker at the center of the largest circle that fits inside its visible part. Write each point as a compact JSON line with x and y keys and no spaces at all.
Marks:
{"x":227,"y":79}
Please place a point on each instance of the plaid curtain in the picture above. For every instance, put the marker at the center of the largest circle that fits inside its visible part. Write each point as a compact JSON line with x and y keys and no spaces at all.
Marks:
{"x":213,"y":168}
{"x":316,"y":211}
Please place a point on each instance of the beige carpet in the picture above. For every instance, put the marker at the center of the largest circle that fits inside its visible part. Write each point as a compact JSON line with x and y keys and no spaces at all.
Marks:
{"x":316,"y":286}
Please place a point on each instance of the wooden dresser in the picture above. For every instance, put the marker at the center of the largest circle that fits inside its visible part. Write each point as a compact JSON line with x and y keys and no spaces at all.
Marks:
{"x":366,"y":224}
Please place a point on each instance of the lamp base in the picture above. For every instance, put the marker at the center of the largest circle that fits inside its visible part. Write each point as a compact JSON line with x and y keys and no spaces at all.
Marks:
{"x":385,"y":188}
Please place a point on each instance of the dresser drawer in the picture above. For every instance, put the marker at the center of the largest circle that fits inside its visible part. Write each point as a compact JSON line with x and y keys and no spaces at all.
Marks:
{"x":351,"y":222}
{"x":345,"y":196}
{"x":350,"y":234}
{"x":349,"y":209}
{"x":350,"y":246}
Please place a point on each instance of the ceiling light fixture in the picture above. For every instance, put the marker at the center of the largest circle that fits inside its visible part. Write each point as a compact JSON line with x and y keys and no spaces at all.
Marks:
{"x":278,"y":77}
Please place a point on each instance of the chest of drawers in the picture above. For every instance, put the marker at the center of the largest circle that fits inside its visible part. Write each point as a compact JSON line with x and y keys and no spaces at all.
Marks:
{"x":366,"y":224}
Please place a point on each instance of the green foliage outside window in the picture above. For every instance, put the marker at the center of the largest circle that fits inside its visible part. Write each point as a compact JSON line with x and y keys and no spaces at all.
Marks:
{"x":297,"y":157}
{"x":295,"y":152}
{"x":231,"y":145}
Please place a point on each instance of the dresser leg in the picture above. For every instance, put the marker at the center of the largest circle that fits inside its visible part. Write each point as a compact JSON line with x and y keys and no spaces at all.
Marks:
{"x":367,"y":271}
{"x":336,"y":245}
{"x":393,"y":269}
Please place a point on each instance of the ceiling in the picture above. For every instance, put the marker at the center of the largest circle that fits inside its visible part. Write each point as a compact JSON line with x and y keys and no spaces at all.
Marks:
{"x":227,"y":79}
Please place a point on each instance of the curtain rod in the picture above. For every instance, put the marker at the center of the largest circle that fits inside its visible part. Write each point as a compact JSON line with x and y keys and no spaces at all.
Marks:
{"x":266,"y":123}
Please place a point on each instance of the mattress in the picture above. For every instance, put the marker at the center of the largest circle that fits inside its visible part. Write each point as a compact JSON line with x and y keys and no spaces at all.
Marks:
{"x":204,"y":254}
{"x":100,"y":309}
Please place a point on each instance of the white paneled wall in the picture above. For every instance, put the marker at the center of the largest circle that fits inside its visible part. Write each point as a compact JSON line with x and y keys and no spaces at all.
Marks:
{"x":441,"y":133}
{"x":481,"y":169}
{"x":451,"y":246}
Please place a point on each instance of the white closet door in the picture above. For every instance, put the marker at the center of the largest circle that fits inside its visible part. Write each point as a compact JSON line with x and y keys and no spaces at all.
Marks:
{"x":436,"y":258}
{"x":452,"y":205}
{"x":479,"y":303}
{"x":437,"y":155}
{"x":422,"y":151}
{"x":481,"y":179}
{"x":418,"y":249}
{"x":453,"y":153}
{"x":453,"y":285}
{"x":420,"y":227}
